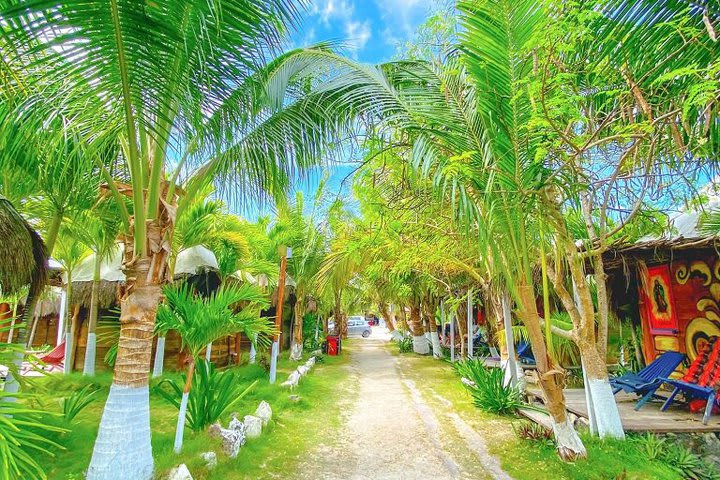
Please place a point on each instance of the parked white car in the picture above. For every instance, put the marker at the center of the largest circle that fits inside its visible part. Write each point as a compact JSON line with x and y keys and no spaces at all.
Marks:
{"x":357,"y":325}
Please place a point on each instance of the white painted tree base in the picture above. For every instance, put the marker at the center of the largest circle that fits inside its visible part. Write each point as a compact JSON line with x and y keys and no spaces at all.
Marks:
{"x":396,"y":335}
{"x":435,"y":340}
{"x":296,"y":351}
{"x":606,"y":413}
{"x":67,"y":368}
{"x":180,"y":427}
{"x":90,"y":350}
{"x":567,"y":440}
{"x":122,"y":449}
{"x":420,"y":345}
{"x":273,"y":361}
{"x":159,"y":358}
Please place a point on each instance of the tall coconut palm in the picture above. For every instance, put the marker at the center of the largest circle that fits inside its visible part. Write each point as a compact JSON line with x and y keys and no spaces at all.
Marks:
{"x":165,"y":80}
{"x":199,"y":321}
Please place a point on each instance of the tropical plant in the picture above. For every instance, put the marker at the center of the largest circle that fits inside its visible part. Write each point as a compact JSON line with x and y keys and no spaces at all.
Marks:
{"x":677,"y":456}
{"x":199,"y":321}
{"x":529,"y":430}
{"x":26,"y":434}
{"x":153,"y":78}
{"x":405,"y":345}
{"x":213,"y":394}
{"x":76,"y":402}
{"x":488,"y":388}
{"x":98,"y":229}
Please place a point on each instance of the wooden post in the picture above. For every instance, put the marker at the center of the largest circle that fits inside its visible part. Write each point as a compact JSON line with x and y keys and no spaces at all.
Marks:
{"x":237,"y":349}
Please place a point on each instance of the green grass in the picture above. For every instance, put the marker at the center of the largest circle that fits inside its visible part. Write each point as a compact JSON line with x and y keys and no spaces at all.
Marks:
{"x":522,"y":459}
{"x":294,"y":429}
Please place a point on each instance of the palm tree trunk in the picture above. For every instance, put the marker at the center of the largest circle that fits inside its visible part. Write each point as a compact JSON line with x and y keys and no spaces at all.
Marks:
{"x":385,"y":312}
{"x":296,"y":349}
{"x":551,"y":379}
{"x":122,"y":449}
{"x":461,"y":318}
{"x":159,"y":362}
{"x":237,"y":349}
{"x":91,"y":347}
{"x":180,"y":428}
{"x":420,"y":343}
{"x":12,"y":322}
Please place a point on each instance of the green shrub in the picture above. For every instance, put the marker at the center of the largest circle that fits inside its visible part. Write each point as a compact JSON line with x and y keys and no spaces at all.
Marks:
{"x":534,"y":432}
{"x":677,"y":456}
{"x":212,"y":396}
{"x":405,"y":345}
{"x":487,"y":389}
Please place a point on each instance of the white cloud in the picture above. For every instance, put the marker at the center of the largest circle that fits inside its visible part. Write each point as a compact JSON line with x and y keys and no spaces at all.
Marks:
{"x":358,"y":34}
{"x":329,"y":10}
{"x":401,"y":17}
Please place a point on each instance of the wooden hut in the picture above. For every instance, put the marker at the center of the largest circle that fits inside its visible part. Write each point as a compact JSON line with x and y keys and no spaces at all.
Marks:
{"x":670,"y":286}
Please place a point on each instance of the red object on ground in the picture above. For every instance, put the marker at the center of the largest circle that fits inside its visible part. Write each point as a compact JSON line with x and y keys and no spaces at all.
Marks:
{"x":698,"y":405}
{"x":55,"y":356}
{"x":333,"y":345}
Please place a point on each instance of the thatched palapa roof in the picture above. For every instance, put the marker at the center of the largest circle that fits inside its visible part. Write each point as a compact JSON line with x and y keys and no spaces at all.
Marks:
{"x":23,"y":256}
{"x":111,"y":278}
{"x":684,"y":234}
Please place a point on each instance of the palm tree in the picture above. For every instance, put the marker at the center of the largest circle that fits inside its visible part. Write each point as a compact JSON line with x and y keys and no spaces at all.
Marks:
{"x":98,"y":230}
{"x":200,"y":321}
{"x":156,"y":78}
{"x":70,"y":253}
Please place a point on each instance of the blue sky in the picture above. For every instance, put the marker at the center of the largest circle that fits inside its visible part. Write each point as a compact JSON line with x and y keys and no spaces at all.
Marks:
{"x":371,"y":28}
{"x":371,"y":31}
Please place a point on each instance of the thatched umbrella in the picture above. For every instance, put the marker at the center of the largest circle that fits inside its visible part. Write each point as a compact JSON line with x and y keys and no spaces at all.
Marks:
{"x":112,"y":278}
{"x":23,"y":256}
{"x":23,"y":261}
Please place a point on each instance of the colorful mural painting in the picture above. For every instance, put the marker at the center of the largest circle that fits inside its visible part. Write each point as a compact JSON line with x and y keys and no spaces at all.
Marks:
{"x":680,"y":305}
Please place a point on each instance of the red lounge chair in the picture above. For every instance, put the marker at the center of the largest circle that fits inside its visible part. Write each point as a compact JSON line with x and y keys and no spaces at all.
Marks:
{"x":701,"y":379}
{"x":54,"y":357}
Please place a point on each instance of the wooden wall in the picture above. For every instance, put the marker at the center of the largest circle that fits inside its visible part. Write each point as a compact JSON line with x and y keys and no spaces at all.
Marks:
{"x":695,"y":288}
{"x":47,"y":329}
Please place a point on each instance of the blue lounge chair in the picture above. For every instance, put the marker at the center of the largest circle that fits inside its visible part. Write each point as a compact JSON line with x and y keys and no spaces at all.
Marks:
{"x":648,"y":380}
{"x":691,"y":390}
{"x":524,"y":353}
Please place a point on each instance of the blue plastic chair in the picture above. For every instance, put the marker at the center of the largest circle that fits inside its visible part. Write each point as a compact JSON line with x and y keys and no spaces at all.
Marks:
{"x":691,"y":391}
{"x":648,"y":380}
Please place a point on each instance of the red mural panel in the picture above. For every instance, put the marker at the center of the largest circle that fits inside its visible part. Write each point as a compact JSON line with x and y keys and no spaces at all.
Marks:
{"x":688,"y":316}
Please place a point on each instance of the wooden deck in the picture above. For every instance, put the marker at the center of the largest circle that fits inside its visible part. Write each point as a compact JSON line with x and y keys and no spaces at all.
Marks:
{"x":677,"y":419}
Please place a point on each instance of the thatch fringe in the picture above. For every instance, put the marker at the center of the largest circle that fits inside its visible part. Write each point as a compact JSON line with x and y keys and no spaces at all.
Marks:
{"x":108,"y":294}
{"x":23,"y":256}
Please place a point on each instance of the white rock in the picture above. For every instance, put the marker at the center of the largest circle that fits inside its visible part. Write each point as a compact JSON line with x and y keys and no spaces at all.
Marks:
{"x":316,"y":353}
{"x":467,"y":382}
{"x":264,"y":412}
{"x":210,"y":459}
{"x":302,"y":370}
{"x":180,"y":472}
{"x":310,"y":362}
{"x":236,"y":424}
{"x":253,"y":426}
{"x":292,"y":380}
{"x":232,"y":440}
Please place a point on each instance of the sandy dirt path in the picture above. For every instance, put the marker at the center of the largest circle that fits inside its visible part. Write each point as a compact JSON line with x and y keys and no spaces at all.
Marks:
{"x":389,"y":432}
